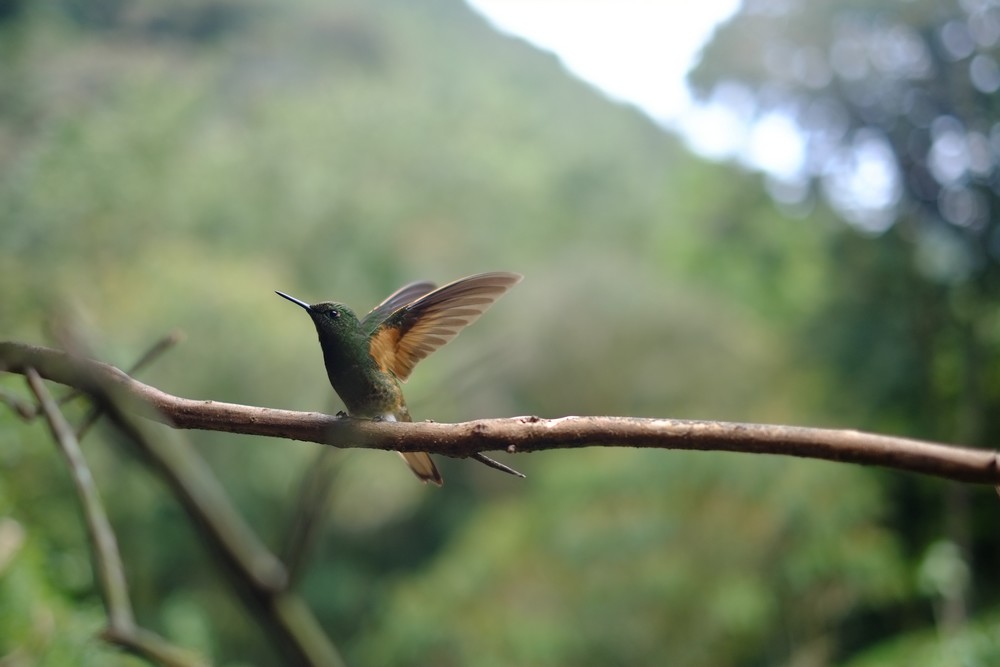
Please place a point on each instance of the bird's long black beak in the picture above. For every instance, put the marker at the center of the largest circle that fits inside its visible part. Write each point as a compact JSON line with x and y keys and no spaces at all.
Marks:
{"x":294,"y":300}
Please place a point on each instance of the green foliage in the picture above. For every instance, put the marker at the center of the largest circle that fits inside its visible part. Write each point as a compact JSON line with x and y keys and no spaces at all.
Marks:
{"x":976,"y":645}
{"x":695,"y":560}
{"x":40,"y":624}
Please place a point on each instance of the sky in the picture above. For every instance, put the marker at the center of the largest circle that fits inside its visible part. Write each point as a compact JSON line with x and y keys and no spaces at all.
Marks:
{"x":636,"y":51}
{"x":639,"y":52}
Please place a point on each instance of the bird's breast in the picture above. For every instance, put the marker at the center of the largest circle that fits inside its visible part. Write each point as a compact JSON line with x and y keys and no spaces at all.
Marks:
{"x":369,"y":394}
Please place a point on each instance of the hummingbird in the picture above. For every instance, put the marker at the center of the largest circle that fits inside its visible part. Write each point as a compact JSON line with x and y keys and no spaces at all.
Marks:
{"x":366,"y":359}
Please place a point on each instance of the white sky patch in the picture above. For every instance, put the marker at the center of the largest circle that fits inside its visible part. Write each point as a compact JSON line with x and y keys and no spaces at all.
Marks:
{"x":639,"y":52}
{"x":775,"y":146}
{"x":635,"y":51}
{"x":714,"y":130}
{"x":864,"y":184}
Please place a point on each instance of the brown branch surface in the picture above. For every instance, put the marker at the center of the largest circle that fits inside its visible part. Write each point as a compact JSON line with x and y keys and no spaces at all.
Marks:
{"x":522,"y":434}
{"x":107,"y":559}
{"x":149,"y":356}
{"x":122,"y":629}
{"x":257,"y":575}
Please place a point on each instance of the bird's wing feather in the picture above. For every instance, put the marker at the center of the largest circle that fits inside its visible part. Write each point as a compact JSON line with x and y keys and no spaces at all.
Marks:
{"x":414,"y":331}
{"x":401,"y":297}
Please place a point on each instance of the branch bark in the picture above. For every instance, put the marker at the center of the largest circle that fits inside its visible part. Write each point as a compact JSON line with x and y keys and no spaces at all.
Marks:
{"x":258,"y":576}
{"x":122,"y":629}
{"x":519,"y":434}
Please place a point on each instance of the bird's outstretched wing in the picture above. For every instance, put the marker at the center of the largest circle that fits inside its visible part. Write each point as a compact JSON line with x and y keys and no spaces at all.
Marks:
{"x":401,"y":297}
{"x":414,"y":331}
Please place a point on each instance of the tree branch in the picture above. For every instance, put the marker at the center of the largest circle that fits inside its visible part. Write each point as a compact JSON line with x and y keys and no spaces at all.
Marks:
{"x":122,"y":629}
{"x":258,"y":576}
{"x":29,"y":411}
{"x":306,"y":520}
{"x":108,"y":562}
{"x":149,"y":356}
{"x":520,"y":434}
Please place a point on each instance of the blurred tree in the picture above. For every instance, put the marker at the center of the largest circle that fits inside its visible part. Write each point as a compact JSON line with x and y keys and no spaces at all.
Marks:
{"x":895,"y":114}
{"x":896,"y":109}
{"x":692,"y":562}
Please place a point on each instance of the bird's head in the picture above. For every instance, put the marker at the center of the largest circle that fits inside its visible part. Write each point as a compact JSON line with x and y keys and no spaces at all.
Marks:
{"x":334,"y":321}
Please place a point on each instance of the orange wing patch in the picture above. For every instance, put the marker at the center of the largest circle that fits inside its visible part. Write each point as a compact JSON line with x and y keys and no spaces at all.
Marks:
{"x":382,"y":347}
{"x":414,"y":331}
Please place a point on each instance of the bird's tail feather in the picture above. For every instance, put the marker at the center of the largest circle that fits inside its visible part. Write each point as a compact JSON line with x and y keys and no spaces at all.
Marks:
{"x":423,"y":467}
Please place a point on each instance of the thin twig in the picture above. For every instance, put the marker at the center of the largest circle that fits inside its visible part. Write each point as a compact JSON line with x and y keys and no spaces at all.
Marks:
{"x":523,"y":434}
{"x":496,"y":465}
{"x":257,"y":575}
{"x":308,"y":513}
{"x":121,"y":629}
{"x":23,"y":409}
{"x":153,"y":647}
{"x":27,"y":411}
{"x":107,"y":559}
{"x":158,"y":348}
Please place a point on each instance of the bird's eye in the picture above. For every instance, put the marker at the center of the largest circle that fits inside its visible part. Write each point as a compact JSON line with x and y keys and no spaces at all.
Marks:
{"x":334,"y":314}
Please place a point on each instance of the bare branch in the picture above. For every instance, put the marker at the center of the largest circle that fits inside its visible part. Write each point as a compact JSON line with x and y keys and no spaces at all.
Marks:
{"x":153,"y":647}
{"x":256,"y":574}
{"x":23,"y":409}
{"x":149,"y":356}
{"x":496,"y":465}
{"x":122,"y":629}
{"x":307,"y":518}
{"x":27,"y":411}
{"x":108,"y":562}
{"x":525,"y":434}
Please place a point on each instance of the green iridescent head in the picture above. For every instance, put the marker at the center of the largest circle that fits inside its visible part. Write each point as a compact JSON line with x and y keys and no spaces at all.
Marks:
{"x":334,"y":321}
